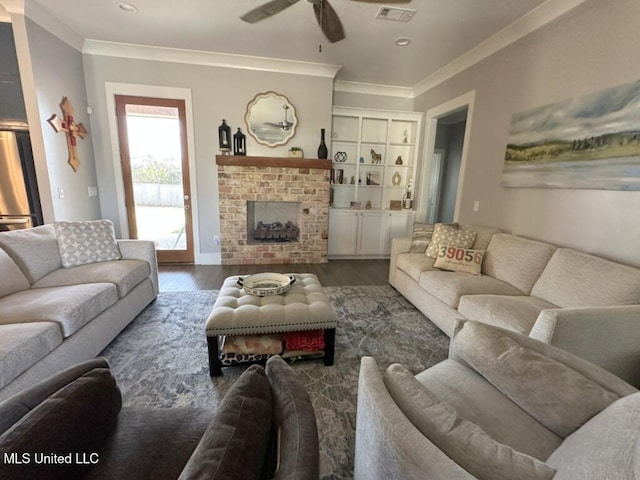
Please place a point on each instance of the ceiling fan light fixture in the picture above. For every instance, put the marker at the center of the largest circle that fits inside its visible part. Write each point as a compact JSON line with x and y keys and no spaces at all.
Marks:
{"x":127,"y":7}
{"x":403,"y":41}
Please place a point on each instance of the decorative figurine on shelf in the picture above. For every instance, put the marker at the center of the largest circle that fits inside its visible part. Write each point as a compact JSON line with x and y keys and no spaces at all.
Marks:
{"x":361,"y":159}
{"x":368,"y":205}
{"x":239,"y":143}
{"x":376,"y":158}
{"x":224,"y":138}
{"x":399,"y":160}
{"x":353,"y":180}
{"x":405,"y":134}
{"x":407,"y":199}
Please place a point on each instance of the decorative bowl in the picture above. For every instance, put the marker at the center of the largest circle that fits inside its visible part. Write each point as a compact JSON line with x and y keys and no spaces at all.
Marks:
{"x":265,"y":284}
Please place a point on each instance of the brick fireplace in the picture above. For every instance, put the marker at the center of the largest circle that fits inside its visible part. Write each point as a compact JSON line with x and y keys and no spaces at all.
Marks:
{"x":242,"y":181}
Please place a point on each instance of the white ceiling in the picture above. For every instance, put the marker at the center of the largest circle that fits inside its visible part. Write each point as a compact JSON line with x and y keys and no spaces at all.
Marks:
{"x":440,"y":31}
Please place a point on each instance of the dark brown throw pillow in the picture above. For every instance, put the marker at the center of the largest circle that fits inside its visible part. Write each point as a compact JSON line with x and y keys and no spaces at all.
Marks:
{"x":235,"y":443}
{"x":296,"y":420}
{"x":61,"y":437}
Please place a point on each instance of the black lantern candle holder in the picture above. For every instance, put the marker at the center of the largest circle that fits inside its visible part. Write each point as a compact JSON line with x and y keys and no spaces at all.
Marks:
{"x":239,"y":143}
{"x":224,"y":137}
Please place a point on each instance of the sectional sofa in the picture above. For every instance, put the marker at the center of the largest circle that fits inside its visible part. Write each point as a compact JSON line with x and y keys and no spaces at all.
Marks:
{"x":66,"y":291}
{"x":587,"y":305}
{"x":502,"y":407}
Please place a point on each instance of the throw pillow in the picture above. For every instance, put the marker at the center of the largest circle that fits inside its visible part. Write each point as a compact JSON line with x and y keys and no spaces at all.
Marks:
{"x":72,"y":423}
{"x":296,"y":420}
{"x":449,"y":235}
{"x":558,"y":396}
{"x":464,"y":442}
{"x":458,"y":259}
{"x":235,"y":443}
{"x":422,"y":233}
{"x":86,"y":242}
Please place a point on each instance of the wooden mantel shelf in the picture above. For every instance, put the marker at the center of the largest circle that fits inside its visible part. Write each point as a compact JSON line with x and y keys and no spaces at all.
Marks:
{"x":286,"y":162}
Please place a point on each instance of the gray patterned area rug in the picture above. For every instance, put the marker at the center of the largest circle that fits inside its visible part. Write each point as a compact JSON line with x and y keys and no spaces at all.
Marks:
{"x":160,"y":359}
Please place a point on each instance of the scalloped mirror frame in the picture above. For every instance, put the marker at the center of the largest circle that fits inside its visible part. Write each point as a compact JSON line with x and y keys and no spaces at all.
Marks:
{"x":271,"y":119}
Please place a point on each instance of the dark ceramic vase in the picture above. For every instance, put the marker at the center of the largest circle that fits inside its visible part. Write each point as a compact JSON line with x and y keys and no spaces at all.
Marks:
{"x":322,"y":149}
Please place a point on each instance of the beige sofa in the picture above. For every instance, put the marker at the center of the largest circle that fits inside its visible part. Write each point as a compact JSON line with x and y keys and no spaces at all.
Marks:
{"x":52,"y":317}
{"x":502,"y":407}
{"x":587,"y":305}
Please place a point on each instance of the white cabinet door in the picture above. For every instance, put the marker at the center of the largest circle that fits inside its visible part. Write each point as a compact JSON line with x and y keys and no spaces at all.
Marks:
{"x":342,"y":232}
{"x":372,"y":233}
{"x":400,"y":224}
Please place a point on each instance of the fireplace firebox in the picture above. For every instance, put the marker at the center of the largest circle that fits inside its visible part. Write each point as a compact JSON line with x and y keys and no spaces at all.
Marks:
{"x":273,"y":221}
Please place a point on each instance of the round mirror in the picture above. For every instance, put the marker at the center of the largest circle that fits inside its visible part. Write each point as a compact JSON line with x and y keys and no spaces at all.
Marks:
{"x":271,"y":119}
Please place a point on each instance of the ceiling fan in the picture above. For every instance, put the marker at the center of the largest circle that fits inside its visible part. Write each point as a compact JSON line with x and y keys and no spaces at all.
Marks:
{"x":286,"y":125}
{"x":325,"y":14}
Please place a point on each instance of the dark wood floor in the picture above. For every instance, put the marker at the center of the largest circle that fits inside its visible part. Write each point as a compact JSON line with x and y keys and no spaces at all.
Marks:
{"x":335,"y":273}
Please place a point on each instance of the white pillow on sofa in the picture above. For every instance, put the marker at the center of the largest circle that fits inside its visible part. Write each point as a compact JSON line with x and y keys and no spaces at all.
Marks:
{"x":86,"y":242}
{"x":464,"y":442}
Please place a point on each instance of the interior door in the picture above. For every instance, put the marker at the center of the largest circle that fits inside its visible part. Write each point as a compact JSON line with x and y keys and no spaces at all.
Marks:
{"x":155,"y":170}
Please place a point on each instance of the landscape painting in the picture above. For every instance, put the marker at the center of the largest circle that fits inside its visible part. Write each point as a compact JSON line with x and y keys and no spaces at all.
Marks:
{"x":592,"y":141}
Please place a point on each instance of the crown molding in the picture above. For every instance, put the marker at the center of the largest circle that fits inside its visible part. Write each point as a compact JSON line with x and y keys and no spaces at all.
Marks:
{"x":372,"y":89}
{"x":42,"y":17}
{"x":215,"y":59}
{"x":532,"y":21}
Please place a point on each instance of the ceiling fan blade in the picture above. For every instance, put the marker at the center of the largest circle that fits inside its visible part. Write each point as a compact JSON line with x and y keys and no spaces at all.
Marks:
{"x":267,"y":10}
{"x":329,"y":21}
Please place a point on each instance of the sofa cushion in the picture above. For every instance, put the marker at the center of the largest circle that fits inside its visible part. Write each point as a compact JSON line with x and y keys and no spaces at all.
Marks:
{"x":607,"y":446}
{"x":449,"y":287}
{"x":151,"y":443}
{"x":464,"y":442}
{"x":86,"y":242}
{"x":12,"y":280}
{"x":449,"y":235}
{"x":484,"y":234}
{"x":550,"y":390}
{"x":235,"y":443}
{"x":459,"y":259}
{"x":24,"y":344}
{"x":517,"y":313}
{"x":413,"y":264}
{"x":124,"y":274}
{"x":477,"y":400}
{"x":75,"y":420}
{"x":578,"y":279}
{"x":35,"y":250}
{"x":295,"y":420}
{"x":516,"y":260}
{"x":70,"y":307}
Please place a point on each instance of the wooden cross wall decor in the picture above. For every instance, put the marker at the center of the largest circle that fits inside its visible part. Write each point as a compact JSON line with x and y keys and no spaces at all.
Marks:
{"x":71,"y":129}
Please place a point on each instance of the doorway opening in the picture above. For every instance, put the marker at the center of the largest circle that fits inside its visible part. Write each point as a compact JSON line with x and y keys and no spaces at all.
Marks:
{"x":446,"y":146}
{"x":155,"y":170}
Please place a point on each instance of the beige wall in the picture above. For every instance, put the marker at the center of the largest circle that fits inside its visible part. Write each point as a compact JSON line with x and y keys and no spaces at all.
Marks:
{"x":595,"y":47}
{"x":57,"y":72}
{"x":217,"y":93}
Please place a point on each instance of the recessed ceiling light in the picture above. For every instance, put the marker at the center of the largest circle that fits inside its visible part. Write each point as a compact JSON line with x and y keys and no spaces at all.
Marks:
{"x":403,"y":41}
{"x":127,"y":7}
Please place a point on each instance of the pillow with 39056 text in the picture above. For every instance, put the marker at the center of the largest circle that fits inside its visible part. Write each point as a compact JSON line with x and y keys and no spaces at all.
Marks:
{"x":449,"y":235}
{"x":458,"y":259}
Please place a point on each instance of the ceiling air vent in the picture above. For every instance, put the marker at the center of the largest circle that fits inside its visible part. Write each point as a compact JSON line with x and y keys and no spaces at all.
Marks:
{"x":396,"y":14}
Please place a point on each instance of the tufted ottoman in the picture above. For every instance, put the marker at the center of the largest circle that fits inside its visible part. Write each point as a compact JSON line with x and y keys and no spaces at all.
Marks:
{"x":304,"y":307}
